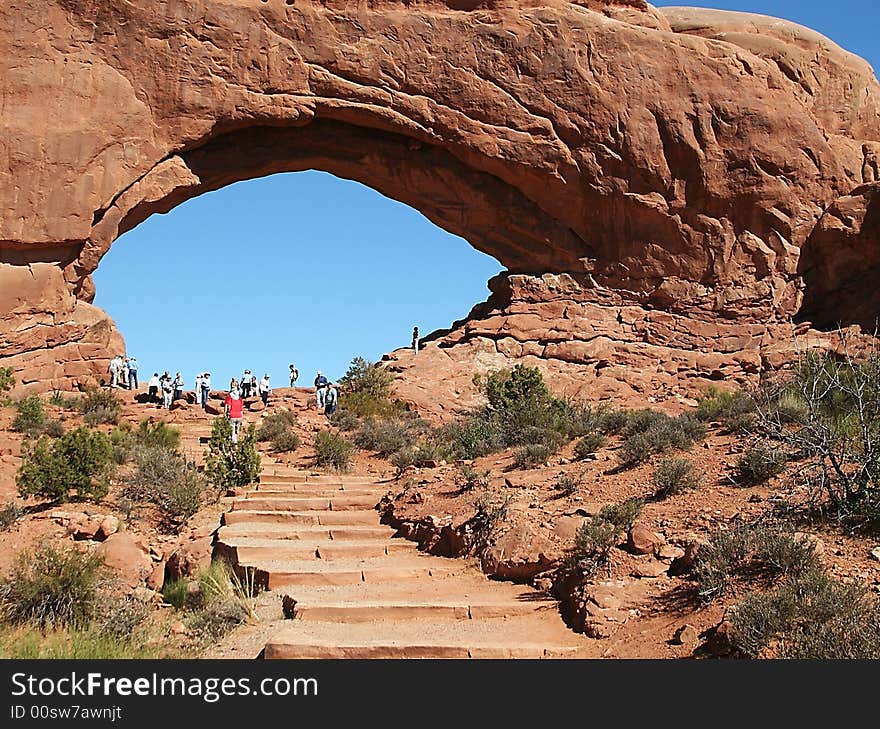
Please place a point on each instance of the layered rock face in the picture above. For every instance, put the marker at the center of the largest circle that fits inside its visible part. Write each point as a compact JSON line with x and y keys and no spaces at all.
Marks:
{"x":710,"y":173}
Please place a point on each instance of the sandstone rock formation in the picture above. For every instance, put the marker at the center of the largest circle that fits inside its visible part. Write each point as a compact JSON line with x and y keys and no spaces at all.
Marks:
{"x":691,"y":181}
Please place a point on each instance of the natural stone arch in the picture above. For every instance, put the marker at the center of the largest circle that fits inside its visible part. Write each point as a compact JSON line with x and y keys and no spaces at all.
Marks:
{"x":629,"y":149}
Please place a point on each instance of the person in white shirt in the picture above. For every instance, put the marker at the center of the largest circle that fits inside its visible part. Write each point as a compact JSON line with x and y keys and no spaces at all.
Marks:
{"x":153,"y":386}
{"x":115,"y":365}
{"x":206,"y":388}
{"x":177,"y":386}
{"x":167,"y":390}
{"x":265,"y":388}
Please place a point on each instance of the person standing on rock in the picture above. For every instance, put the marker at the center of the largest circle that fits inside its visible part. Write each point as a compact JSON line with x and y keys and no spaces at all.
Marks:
{"x":178,"y":387}
{"x":167,"y":390}
{"x":233,"y":384}
{"x":132,"y":373}
{"x":153,"y":388}
{"x":320,"y":389}
{"x":113,"y":369}
{"x":265,"y":388}
{"x":234,"y":406}
{"x":331,"y":400}
{"x":253,"y":387}
{"x":294,"y":375}
{"x":246,"y":384}
{"x":415,"y":340}
{"x":123,"y":373}
{"x":206,"y":388}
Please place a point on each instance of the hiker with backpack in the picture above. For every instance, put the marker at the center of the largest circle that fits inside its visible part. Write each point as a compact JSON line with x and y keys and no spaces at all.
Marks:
{"x":320,"y":389}
{"x":294,"y":375}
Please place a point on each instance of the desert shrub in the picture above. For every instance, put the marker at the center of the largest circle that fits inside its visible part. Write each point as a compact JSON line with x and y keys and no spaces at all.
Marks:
{"x":490,"y":512}
{"x":79,"y":461}
{"x":30,"y":418}
{"x":469,"y":478}
{"x":99,"y":406}
{"x":224,"y":601}
{"x":754,"y":552}
{"x":725,"y":406}
{"x":275,"y":425}
{"x":345,"y":420}
{"x":10,"y":514}
{"x":416,"y":455}
{"x":120,"y":617}
{"x":7,"y":382}
{"x":333,"y":450}
{"x":231,"y":465}
{"x":472,"y":437}
{"x":57,"y":399}
{"x":50,"y":588}
{"x":388,"y":435}
{"x":612,"y":422}
{"x":366,"y":389}
{"x":588,"y":445}
{"x":85,"y":645}
{"x":163,"y":478}
{"x":176,"y":593}
{"x":54,"y":428}
{"x":593,"y":542}
{"x":675,"y":475}
{"x":758,"y":465}
{"x":812,"y":615}
{"x":624,"y":514}
{"x":286,"y":442}
{"x":649,"y":431}
{"x":531,"y":455}
{"x":570,"y":483}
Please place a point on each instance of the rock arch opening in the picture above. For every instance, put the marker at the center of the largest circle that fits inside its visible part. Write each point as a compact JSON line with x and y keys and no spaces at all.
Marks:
{"x":301,"y":266}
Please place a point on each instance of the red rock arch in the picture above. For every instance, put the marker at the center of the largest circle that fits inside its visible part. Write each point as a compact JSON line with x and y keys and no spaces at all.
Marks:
{"x":631,"y":150}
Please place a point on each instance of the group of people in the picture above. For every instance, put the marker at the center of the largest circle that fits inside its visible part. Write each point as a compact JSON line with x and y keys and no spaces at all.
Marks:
{"x":248,"y":387}
{"x":165,"y":387}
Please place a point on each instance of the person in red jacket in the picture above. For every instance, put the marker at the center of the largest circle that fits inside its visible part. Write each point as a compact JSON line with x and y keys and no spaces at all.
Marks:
{"x":233,"y":405}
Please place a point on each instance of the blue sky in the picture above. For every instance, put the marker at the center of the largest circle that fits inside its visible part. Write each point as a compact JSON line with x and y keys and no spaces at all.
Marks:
{"x":311,"y":269}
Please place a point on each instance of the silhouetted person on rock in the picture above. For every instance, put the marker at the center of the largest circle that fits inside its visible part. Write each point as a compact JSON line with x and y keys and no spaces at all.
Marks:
{"x":294,"y":375}
{"x":415,"y":340}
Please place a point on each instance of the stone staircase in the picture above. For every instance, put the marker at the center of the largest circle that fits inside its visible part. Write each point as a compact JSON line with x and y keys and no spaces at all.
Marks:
{"x":360,"y":592}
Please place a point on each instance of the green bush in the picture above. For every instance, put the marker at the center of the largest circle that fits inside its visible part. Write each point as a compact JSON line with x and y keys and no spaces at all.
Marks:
{"x":649,"y":431}
{"x":49,"y":588}
{"x":675,"y":475}
{"x":176,"y":593}
{"x":99,"y":406}
{"x":613,"y":422}
{"x":725,"y":406}
{"x":333,"y":450}
{"x":755,"y":552}
{"x":10,"y":514}
{"x":31,"y":417}
{"x":54,"y":428}
{"x":156,"y":435}
{"x":79,"y":461}
{"x":231,"y":465}
{"x":758,"y":465}
{"x":120,"y":618}
{"x":624,"y":514}
{"x":224,"y":602}
{"x":490,"y":513}
{"x":366,"y":390}
{"x":475,"y":436}
{"x":275,"y":425}
{"x":531,"y":455}
{"x":588,"y":445}
{"x":286,"y":442}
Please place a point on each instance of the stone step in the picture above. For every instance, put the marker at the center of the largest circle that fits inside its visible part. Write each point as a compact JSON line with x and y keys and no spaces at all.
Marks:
{"x":312,"y":491}
{"x":515,"y":638}
{"x":306,"y":503}
{"x":306,"y":532}
{"x":297,"y":518}
{"x":245,"y":551}
{"x":369,"y":612}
